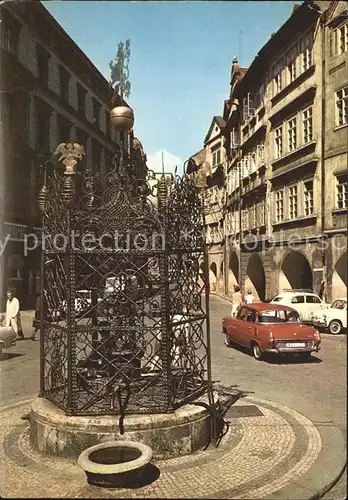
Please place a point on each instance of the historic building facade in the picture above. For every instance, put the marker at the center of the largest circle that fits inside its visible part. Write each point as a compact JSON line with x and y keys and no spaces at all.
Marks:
{"x":50,"y":93}
{"x":286,"y":138}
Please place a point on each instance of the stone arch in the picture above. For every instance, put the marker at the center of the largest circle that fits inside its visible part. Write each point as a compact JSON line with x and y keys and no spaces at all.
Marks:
{"x":255,"y":277}
{"x":233,"y":272}
{"x":213,"y":276}
{"x":295,"y":272}
{"x":339,"y":278}
{"x":221,"y":279}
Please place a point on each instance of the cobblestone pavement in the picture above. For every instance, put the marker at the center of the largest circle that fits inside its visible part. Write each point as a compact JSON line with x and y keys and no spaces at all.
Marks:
{"x":316,"y":389}
{"x":258,"y":456}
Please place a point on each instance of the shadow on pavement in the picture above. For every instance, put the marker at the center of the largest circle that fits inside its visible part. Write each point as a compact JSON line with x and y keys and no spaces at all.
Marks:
{"x":9,"y":355}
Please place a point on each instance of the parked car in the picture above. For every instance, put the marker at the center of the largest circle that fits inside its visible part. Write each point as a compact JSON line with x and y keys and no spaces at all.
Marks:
{"x":270,"y":328}
{"x":303,"y":301}
{"x":334,"y":319}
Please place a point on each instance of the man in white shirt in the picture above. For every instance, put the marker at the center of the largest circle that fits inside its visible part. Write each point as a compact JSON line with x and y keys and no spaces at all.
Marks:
{"x":249,"y":298}
{"x":13,"y":317}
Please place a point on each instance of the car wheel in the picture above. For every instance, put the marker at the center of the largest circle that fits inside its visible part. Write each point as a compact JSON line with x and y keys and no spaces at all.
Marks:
{"x":227,"y":341}
{"x":335,"y":327}
{"x":257,"y":352}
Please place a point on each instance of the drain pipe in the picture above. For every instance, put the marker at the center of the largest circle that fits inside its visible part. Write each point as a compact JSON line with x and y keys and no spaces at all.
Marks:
{"x":323,"y":145}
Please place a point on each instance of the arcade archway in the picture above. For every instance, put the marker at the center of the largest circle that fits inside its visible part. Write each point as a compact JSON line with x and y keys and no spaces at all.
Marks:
{"x":295,"y":272}
{"x":255,"y":277}
{"x":213,"y":276}
{"x":233,"y":272}
{"x":339,"y":278}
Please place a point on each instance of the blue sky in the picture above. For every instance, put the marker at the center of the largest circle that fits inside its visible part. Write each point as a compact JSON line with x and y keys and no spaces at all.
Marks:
{"x":180,"y":61}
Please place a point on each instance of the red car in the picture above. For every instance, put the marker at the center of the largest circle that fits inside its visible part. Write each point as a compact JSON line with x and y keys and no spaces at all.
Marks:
{"x":270,"y":328}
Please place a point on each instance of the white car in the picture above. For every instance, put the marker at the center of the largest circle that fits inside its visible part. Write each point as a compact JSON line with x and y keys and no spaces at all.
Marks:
{"x":334,"y":318}
{"x":304,"y":302}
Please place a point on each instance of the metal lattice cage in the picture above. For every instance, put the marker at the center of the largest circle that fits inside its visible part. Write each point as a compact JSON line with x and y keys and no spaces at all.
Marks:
{"x":123,"y":319}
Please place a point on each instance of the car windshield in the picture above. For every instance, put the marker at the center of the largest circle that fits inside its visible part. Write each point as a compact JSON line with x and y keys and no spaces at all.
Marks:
{"x":281,"y":316}
{"x":277,"y":299}
{"x":339,"y":304}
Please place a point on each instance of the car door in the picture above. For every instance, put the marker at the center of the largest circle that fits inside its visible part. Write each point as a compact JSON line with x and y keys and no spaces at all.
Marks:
{"x":298,"y":303}
{"x":240,"y":323}
{"x":312,"y":303}
{"x":248,"y":328}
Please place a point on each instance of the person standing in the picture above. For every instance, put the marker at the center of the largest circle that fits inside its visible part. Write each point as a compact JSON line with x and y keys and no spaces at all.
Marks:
{"x":249,"y":298}
{"x":236,"y":300}
{"x":13,"y":316}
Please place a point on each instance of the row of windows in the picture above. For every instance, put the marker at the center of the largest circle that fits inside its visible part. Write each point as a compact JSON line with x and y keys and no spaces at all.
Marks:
{"x":290,"y":203}
{"x":297,"y":200}
{"x":296,"y":131}
{"x":297,"y":60}
{"x":10,"y":43}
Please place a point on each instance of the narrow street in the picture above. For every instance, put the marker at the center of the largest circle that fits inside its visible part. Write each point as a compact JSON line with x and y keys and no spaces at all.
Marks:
{"x":316,"y":389}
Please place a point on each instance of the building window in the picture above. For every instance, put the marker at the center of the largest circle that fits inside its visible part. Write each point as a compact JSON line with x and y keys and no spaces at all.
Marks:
{"x":307,"y":124}
{"x":339,"y":40}
{"x":96,"y":152}
{"x":252,"y":217}
{"x":342,"y":106}
{"x":308,"y":198}
{"x":42,"y":132}
{"x":81,"y":99}
{"x":107,"y":123}
{"x":292,"y":70}
{"x":279,"y":141}
{"x":216,"y":158}
{"x":64,"y":127}
{"x":9,"y":37}
{"x":342,"y":33}
{"x":306,"y":53}
{"x":245,"y":220}
{"x":292,"y":134}
{"x":279,"y":206}
{"x":42,"y":64}
{"x":293,"y":202}
{"x":64,"y":78}
{"x":341,"y":192}
{"x":96,"y":112}
{"x":278,"y":83}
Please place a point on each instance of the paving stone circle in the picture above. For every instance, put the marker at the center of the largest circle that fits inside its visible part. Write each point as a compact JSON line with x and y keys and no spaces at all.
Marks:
{"x":257,"y":457}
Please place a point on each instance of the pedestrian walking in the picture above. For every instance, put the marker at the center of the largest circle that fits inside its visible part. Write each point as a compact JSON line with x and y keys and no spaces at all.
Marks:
{"x":13,"y":316}
{"x":236,"y":300}
{"x":249,"y":298}
{"x":37,"y":316}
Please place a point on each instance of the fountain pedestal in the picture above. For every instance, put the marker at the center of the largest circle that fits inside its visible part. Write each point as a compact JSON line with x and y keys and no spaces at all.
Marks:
{"x":168,"y":434}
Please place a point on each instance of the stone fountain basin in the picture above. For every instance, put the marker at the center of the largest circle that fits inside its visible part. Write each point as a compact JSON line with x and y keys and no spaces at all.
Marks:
{"x":115,"y":464}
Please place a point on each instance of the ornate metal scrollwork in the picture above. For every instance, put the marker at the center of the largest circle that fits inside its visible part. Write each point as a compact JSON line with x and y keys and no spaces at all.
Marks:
{"x":124,"y":320}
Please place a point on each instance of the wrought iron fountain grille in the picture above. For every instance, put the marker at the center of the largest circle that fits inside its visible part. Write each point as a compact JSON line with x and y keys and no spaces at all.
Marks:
{"x":124,"y":326}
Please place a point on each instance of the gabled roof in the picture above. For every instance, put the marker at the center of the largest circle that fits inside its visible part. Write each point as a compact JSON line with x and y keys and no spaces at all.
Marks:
{"x":216,"y":120}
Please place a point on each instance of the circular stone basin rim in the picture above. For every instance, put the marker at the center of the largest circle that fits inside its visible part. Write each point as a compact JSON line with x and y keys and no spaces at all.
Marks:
{"x":86,"y":462}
